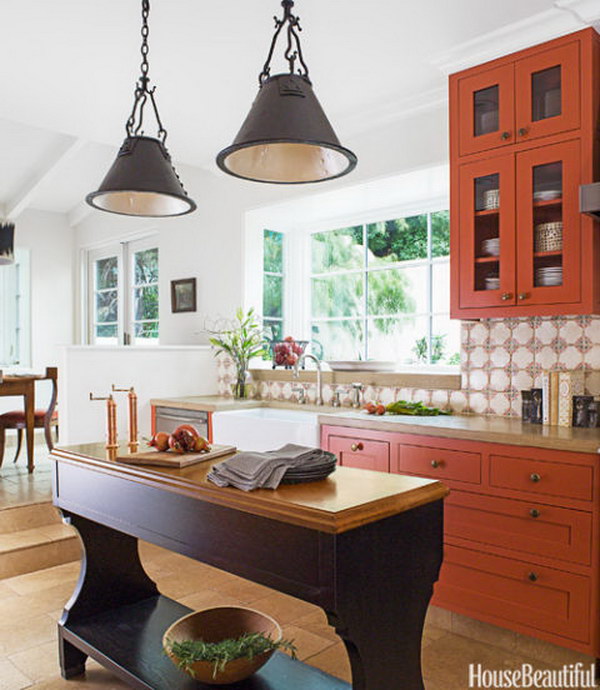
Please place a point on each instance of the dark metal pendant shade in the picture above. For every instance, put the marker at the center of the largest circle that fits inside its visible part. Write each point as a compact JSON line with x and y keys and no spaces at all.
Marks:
{"x":7,"y":241}
{"x":286,"y":137}
{"x":142,"y":182}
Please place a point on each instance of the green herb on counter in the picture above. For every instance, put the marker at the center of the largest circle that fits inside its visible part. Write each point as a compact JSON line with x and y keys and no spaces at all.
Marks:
{"x":416,"y":409}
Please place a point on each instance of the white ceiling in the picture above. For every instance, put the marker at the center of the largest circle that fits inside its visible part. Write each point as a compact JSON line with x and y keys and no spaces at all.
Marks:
{"x":67,"y":70}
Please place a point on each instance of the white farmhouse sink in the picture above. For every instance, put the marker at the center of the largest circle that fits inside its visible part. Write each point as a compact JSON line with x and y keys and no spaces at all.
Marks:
{"x":265,"y":428}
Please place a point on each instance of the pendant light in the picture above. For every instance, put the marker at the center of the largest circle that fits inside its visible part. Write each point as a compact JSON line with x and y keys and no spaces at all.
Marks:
{"x":142,"y":181}
{"x":286,"y":137}
{"x":7,"y":241}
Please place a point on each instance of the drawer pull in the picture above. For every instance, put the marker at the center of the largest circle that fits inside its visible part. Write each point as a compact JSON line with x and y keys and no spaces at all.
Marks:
{"x":535,"y":477}
{"x":533,"y":577}
{"x":534,"y":512}
{"x":436,"y":463}
{"x":356,"y":446}
{"x":505,"y":135}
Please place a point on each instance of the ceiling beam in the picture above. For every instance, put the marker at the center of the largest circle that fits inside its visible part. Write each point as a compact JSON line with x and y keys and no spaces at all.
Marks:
{"x":78,"y":213}
{"x":24,"y":198}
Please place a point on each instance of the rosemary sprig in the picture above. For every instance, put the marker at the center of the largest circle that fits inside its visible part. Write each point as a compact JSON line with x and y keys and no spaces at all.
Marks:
{"x":221,"y":653}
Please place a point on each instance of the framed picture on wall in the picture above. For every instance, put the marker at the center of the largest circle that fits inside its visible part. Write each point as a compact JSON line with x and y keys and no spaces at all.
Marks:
{"x":183,"y":295}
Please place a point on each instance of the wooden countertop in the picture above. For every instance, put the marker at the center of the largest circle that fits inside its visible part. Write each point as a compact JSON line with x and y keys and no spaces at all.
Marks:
{"x":474,"y":428}
{"x":345,"y":500}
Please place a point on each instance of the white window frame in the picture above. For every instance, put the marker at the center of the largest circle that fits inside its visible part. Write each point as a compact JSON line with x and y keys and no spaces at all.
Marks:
{"x":17,"y":318}
{"x":282,"y":275}
{"x":125,"y":251}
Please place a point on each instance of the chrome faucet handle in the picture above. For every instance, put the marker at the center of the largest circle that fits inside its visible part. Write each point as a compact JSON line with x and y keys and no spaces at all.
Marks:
{"x":301,"y":394}
{"x":335,"y":401}
{"x":357,"y":389}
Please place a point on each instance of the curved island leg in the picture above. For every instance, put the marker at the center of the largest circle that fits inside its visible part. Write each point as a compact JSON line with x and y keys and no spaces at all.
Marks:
{"x":111,"y":575}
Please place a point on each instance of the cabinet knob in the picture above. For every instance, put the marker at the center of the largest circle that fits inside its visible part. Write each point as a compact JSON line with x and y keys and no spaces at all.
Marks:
{"x":533,"y":577}
{"x":506,"y":296}
{"x":535,"y":477}
{"x":356,"y":446}
{"x":523,"y":295}
{"x":534,"y":512}
{"x":523,"y":131}
{"x":505,"y":135}
{"x":436,"y":463}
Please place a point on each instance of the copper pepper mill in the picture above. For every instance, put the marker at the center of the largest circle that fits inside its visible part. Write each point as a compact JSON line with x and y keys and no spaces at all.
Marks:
{"x":111,"y":421}
{"x":132,"y":416}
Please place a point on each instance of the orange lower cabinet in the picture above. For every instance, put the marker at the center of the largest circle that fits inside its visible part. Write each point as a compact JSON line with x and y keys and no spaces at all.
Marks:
{"x":439,"y":463}
{"x":505,"y":591}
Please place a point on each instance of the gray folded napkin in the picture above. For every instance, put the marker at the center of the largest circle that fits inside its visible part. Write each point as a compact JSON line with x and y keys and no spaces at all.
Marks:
{"x":253,"y":470}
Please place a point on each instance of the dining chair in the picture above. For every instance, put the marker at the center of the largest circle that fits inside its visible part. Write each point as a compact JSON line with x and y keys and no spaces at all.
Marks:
{"x":43,"y":419}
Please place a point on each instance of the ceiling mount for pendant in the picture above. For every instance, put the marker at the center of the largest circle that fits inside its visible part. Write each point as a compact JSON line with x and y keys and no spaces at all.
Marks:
{"x":142,"y":181}
{"x":7,"y":243}
{"x":286,"y":137}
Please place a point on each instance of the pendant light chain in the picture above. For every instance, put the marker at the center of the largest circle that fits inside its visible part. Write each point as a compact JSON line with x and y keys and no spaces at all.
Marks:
{"x":142,"y":91}
{"x":293,"y":49}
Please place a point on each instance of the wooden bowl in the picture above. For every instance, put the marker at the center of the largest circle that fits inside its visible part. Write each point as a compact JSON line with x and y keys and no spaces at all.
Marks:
{"x":221,"y":623}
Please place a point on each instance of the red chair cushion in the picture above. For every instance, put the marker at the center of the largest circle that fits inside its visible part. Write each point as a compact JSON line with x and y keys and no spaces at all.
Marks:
{"x":18,"y":417}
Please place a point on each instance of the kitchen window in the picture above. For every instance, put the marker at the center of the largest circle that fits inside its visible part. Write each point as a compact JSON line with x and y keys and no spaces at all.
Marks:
{"x":273,"y":283}
{"x":123,"y":293}
{"x":15,"y":311}
{"x":381,"y":291}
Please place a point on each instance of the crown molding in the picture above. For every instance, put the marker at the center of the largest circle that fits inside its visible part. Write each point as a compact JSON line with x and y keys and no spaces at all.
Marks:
{"x":567,"y":16}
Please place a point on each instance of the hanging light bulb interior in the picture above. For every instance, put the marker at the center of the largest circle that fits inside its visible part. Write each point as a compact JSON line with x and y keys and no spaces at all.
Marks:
{"x":142,"y":181}
{"x":7,"y":243}
{"x":286,"y":137}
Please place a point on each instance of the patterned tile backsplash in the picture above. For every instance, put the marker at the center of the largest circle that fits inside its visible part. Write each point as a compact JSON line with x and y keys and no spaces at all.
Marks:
{"x":499,"y":358}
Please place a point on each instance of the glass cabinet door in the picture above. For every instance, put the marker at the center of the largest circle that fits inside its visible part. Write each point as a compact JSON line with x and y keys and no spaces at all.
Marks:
{"x":547,"y":92}
{"x":486,"y":110}
{"x":548,"y":225}
{"x":486,"y":233}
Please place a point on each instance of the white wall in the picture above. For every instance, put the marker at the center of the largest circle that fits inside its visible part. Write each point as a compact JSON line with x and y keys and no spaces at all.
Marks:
{"x":159,"y":372}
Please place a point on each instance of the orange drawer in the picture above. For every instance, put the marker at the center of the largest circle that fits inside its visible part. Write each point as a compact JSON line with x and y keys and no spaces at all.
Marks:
{"x":527,"y":526}
{"x":542,"y":477}
{"x":358,"y":452}
{"x":515,"y":591}
{"x":458,"y":465}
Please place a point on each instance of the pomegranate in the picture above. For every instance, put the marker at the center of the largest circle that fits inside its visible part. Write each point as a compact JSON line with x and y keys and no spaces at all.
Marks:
{"x":160,"y":441}
{"x":182,"y":441}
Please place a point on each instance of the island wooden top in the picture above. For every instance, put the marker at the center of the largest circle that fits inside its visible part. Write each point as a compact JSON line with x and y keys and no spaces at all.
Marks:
{"x":345,"y":500}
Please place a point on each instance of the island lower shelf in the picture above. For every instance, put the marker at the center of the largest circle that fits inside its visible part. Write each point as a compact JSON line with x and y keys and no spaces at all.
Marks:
{"x":128,"y":640}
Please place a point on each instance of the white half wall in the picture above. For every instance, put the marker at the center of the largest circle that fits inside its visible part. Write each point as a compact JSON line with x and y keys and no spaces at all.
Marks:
{"x":157,"y":372}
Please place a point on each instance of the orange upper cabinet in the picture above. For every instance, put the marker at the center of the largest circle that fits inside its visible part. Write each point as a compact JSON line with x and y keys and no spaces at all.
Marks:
{"x":547,"y":92}
{"x":523,"y":138}
{"x":487,"y":112}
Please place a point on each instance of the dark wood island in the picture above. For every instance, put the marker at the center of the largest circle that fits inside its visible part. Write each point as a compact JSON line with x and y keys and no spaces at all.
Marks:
{"x":364,"y":546}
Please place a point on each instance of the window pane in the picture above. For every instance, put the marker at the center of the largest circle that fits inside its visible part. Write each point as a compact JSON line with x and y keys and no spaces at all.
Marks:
{"x":440,"y":234}
{"x":273,"y":251}
{"x":107,"y":273}
{"x":401,"y":340}
{"x":445,"y":340}
{"x":398,"y":291}
{"x":148,"y":329}
{"x":106,"y":331}
{"x":274,"y":329}
{"x":340,"y":295}
{"x":546,"y":94}
{"x":337,"y":249}
{"x":146,"y":303}
{"x":146,"y":266}
{"x":107,"y":309}
{"x":339,"y":339}
{"x":273,"y":296}
{"x":440,"y":286}
{"x":403,"y":239}
{"x":486,"y":110}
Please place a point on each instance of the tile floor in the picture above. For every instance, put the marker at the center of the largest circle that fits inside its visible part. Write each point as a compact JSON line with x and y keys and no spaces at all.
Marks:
{"x":17,"y":486}
{"x":31,"y":604}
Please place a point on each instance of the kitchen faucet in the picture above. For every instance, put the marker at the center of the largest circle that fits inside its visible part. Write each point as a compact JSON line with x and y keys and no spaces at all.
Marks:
{"x":299,"y":362}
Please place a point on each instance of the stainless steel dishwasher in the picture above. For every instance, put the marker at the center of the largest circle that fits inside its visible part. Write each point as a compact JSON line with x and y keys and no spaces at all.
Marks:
{"x":169,"y":418}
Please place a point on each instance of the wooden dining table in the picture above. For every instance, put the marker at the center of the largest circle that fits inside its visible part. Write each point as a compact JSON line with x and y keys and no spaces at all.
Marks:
{"x":23,"y":385}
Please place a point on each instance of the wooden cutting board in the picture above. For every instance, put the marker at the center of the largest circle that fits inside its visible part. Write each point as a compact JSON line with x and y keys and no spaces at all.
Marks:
{"x":170,"y":459}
